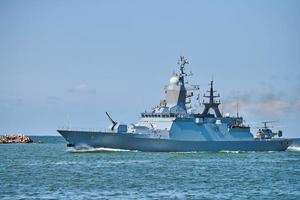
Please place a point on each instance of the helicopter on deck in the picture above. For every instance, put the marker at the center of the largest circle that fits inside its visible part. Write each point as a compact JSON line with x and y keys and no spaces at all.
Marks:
{"x":265,"y":132}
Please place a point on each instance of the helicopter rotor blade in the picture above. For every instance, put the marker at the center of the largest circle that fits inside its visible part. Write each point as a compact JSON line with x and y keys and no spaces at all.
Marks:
{"x":269,"y":122}
{"x":280,"y":126}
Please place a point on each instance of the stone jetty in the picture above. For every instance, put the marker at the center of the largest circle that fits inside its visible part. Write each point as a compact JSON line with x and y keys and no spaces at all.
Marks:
{"x":18,"y":138}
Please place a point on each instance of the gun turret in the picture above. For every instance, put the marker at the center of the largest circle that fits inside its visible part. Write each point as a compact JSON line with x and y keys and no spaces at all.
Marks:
{"x":114,"y":123}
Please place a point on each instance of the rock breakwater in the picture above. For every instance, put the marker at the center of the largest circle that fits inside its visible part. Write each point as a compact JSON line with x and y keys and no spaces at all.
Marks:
{"x":18,"y":138}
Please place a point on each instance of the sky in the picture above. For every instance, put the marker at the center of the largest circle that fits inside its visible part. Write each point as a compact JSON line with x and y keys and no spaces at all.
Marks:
{"x":64,"y":63}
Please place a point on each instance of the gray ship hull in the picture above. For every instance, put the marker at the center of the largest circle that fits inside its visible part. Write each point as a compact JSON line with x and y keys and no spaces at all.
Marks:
{"x":138,"y":142}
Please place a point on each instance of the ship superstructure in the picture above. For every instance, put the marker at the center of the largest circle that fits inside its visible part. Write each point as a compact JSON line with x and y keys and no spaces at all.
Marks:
{"x":174,"y":125}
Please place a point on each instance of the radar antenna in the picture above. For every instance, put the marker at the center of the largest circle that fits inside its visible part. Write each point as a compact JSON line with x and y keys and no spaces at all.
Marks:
{"x":182,"y":62}
{"x":212,"y":103}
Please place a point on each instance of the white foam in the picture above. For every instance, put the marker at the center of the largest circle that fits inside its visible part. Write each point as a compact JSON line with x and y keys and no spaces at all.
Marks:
{"x":226,"y":151}
{"x":293,"y":148}
{"x":92,"y":149}
{"x":186,"y":152}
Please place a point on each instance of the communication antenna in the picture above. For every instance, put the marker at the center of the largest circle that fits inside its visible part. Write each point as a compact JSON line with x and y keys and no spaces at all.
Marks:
{"x":237,"y":106}
{"x":237,"y":109}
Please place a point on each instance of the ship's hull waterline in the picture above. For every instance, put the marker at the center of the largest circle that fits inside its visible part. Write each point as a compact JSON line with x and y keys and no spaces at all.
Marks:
{"x":134,"y":142}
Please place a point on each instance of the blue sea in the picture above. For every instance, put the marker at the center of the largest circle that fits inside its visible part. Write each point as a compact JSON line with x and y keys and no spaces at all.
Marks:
{"x":51,"y":171}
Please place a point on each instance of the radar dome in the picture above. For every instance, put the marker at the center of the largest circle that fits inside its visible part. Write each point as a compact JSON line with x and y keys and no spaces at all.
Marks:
{"x":174,"y":80}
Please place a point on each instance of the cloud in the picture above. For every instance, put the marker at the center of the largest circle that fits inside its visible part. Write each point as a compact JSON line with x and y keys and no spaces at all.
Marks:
{"x":273,"y":105}
{"x":82,"y":89}
{"x":264,"y":99}
{"x":270,"y":107}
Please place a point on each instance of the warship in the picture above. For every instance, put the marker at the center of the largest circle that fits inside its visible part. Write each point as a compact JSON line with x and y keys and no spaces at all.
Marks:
{"x":175,"y":126}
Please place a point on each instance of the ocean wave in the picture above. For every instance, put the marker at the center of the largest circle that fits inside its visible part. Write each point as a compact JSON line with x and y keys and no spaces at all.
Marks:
{"x":92,"y":149}
{"x":205,"y":152}
{"x":186,"y":152}
{"x":67,"y":163}
{"x":227,"y":151}
{"x":293,"y":148}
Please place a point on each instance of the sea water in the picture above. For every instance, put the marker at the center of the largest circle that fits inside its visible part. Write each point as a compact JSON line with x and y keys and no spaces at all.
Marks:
{"x":51,"y":171}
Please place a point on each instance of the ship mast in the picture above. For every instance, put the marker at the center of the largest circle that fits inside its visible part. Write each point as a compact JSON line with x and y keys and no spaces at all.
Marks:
{"x":182,"y":62}
{"x":212,"y":104}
